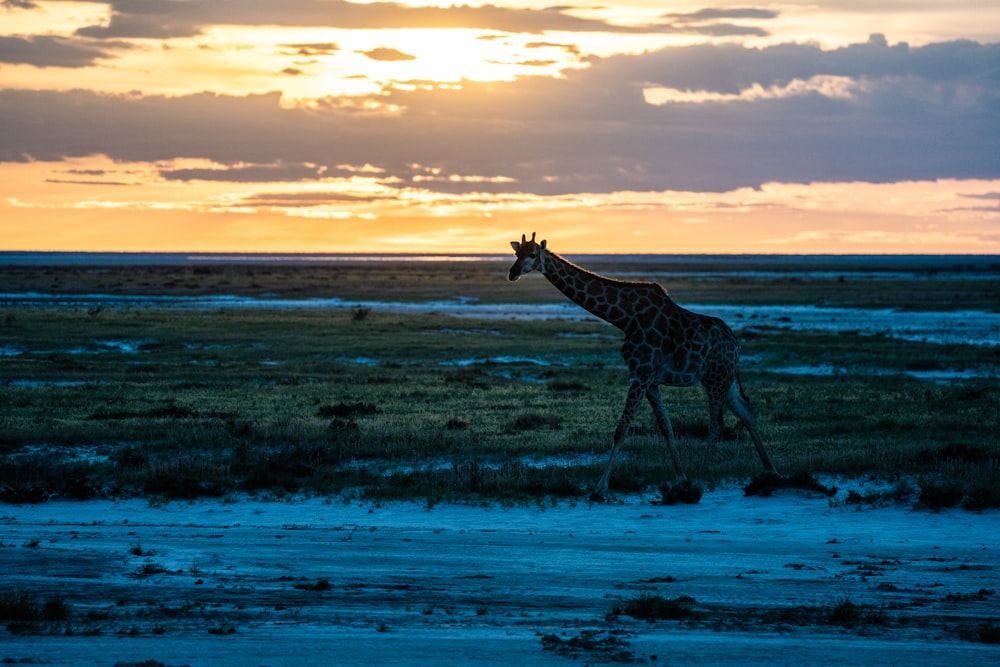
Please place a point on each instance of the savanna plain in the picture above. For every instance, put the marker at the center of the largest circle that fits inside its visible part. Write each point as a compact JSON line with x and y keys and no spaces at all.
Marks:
{"x":293,"y":483}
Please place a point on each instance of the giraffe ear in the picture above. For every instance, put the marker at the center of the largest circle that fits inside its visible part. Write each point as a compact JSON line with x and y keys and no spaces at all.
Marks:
{"x":542,"y":244}
{"x":515,"y":245}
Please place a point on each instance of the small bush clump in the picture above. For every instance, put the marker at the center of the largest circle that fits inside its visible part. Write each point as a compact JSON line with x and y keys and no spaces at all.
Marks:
{"x":989,"y":633}
{"x":18,"y":605}
{"x":456,"y":424}
{"x":344,"y":410}
{"x":533,"y":421}
{"x":24,"y":607}
{"x":982,"y":495}
{"x":684,"y":491}
{"x":767,"y":483}
{"x":937,"y":494}
{"x":849,"y":614}
{"x":657,"y":608}
{"x":318,"y":585}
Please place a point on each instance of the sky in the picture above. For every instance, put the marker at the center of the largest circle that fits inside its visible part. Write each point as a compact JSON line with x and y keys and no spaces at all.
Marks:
{"x":633,"y":126}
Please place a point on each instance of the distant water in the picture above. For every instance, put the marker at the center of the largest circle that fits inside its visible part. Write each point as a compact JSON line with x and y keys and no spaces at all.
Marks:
{"x":948,"y":328}
{"x":188,"y":258}
{"x":693,"y":262}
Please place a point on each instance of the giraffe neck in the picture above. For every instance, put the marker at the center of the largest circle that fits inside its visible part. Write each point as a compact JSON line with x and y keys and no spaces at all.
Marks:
{"x":609,"y":299}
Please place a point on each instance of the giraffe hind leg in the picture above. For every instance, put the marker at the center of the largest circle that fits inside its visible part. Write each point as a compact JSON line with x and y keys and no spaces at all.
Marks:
{"x":715,"y":415}
{"x":740,"y":405}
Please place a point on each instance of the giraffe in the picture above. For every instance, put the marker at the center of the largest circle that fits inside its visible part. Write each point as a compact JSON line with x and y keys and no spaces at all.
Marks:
{"x":665,"y":344}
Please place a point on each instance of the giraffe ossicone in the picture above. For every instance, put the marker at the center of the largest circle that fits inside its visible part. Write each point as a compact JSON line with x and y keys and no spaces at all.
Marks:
{"x":665,"y":344}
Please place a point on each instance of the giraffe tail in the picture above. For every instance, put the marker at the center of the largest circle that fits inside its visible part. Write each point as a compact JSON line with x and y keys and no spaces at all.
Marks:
{"x":743,"y":395}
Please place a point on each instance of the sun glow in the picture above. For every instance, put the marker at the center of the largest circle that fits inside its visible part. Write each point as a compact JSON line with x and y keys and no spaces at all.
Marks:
{"x":346,"y":125}
{"x":364,"y":203}
{"x":56,"y":18}
{"x":309,"y":63}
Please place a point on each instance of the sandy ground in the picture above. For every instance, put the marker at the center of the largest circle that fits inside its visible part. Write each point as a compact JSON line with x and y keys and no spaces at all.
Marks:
{"x":326,"y":582}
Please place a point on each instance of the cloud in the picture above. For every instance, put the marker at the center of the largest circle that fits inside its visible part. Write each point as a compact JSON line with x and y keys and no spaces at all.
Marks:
{"x":386,"y":54}
{"x":94,"y":177}
{"x":313,"y":49}
{"x":714,"y":13}
{"x":255,"y":173}
{"x":67,"y":181}
{"x":148,"y":19}
{"x":722,"y":30}
{"x":828,"y":86}
{"x":730,"y":68}
{"x":572,"y":49}
{"x":991,"y":196}
{"x":789,"y":113}
{"x":309,"y":199}
{"x":536,"y":63}
{"x":891,"y":239}
{"x":163,"y":19}
{"x":707,"y":21}
{"x":53,"y":51}
{"x":991,"y":203}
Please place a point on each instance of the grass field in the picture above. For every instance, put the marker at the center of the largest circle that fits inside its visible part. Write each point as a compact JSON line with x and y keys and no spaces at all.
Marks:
{"x":98,"y":402}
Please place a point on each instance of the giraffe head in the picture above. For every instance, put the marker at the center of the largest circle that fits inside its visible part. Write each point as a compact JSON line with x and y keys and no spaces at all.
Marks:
{"x":530,"y":257}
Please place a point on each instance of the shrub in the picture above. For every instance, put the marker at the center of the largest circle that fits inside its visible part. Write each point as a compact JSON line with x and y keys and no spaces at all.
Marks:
{"x":937,"y":494}
{"x":456,"y":424}
{"x":989,"y":633}
{"x":684,"y":491}
{"x":656,"y":607}
{"x":55,"y":609}
{"x":150,"y":569}
{"x":534,"y":420}
{"x":318,"y":585}
{"x":767,"y":483}
{"x":187,"y":481}
{"x":21,"y":606}
{"x":344,"y":410}
{"x":983,"y":495}
{"x":845,"y":613}
{"x":18,"y":605}
{"x":849,"y":614}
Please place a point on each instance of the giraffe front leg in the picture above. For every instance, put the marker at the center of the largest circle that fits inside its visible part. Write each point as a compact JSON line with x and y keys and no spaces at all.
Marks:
{"x":635,"y":392}
{"x":663,"y":421}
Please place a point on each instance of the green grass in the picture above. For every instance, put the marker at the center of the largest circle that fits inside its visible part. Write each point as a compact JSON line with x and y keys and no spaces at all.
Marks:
{"x":208,"y":403}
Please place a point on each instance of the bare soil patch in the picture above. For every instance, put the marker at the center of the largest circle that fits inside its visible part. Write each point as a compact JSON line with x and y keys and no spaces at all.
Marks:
{"x":794,"y":578}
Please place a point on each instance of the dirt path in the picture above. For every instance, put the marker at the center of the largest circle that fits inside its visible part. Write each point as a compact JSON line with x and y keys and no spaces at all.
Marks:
{"x":784,"y":580}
